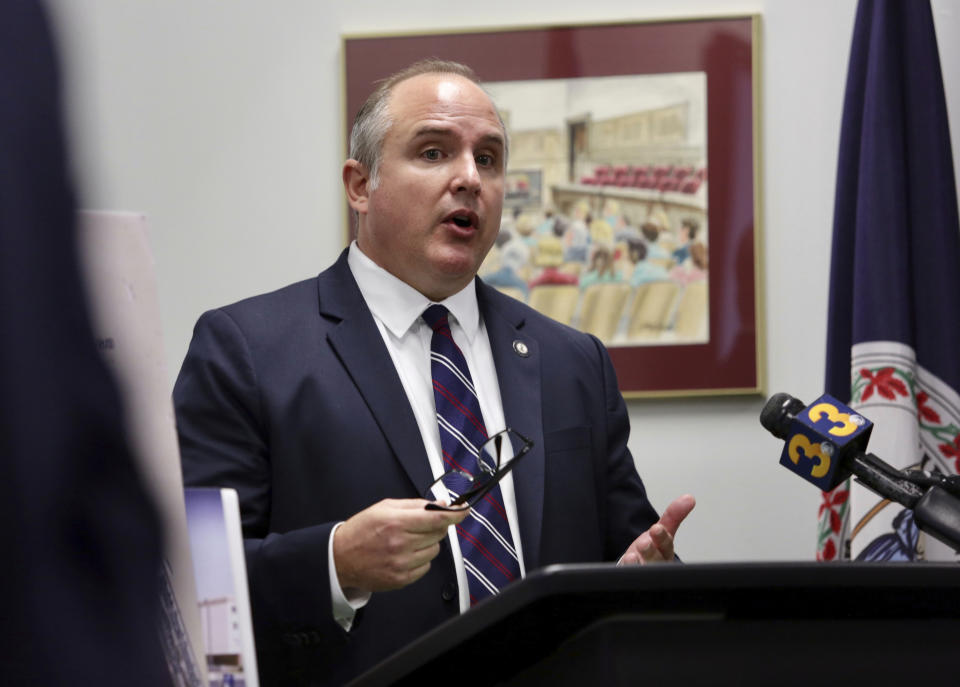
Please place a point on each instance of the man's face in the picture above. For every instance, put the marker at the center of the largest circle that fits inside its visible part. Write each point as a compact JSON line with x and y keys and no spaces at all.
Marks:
{"x":436,"y":211}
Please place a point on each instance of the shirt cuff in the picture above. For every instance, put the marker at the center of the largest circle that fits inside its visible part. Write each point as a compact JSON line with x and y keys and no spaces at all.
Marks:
{"x":345,"y":603}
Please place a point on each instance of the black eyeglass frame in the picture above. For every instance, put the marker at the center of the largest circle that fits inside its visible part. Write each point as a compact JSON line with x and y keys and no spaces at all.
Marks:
{"x":471,"y":496}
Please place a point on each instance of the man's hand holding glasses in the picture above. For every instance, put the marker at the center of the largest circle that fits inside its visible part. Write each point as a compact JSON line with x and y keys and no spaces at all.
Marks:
{"x":391,"y":544}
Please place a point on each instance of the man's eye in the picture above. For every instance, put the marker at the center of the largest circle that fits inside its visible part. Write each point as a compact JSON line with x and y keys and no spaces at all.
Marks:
{"x":432,"y":154}
{"x":485,"y":160}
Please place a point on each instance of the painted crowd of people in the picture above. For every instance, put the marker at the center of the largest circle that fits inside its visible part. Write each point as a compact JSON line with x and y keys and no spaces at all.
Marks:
{"x":545,"y":247}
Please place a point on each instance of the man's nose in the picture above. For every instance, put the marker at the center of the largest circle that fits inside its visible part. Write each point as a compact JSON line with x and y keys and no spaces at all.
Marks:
{"x":467,"y":175}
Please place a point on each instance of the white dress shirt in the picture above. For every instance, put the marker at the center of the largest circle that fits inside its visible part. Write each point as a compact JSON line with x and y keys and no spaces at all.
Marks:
{"x":397,"y":309}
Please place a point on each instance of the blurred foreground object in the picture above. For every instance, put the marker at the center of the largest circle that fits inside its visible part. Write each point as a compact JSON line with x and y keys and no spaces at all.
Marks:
{"x":80,"y":565}
{"x":118,"y":268}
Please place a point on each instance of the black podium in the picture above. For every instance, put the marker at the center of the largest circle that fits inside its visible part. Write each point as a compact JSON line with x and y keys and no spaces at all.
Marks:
{"x":753,"y":624}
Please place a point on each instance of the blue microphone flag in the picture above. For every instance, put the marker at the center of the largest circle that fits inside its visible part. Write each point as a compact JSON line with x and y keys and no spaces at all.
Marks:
{"x":819,"y":438}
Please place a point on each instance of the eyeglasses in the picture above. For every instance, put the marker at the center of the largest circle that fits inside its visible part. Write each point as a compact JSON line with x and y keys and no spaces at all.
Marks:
{"x":494,"y":462}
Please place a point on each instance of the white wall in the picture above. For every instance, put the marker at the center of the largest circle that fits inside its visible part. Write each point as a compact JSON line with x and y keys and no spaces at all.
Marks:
{"x":221,"y":121}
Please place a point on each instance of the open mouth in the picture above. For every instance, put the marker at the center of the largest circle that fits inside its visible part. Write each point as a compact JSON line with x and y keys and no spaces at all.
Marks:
{"x":462,"y":218}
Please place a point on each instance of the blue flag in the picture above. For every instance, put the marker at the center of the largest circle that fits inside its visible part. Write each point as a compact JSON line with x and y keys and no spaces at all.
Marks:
{"x":893,"y":342}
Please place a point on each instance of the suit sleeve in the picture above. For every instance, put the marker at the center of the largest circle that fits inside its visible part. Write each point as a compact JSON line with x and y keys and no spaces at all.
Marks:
{"x":628,"y":510}
{"x":225,"y":442}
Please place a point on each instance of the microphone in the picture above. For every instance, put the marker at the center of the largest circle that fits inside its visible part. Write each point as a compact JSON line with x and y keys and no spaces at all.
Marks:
{"x":826,"y":442}
{"x":820,"y":439}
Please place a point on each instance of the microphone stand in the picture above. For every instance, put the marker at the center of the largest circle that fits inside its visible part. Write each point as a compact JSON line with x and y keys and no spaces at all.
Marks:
{"x":932,"y":498}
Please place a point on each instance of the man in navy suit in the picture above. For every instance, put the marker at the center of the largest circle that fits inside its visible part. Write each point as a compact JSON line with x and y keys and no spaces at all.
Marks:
{"x":315,"y":402}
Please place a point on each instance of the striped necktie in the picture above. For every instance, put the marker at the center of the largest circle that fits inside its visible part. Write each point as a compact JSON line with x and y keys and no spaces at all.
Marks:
{"x":489,"y":556}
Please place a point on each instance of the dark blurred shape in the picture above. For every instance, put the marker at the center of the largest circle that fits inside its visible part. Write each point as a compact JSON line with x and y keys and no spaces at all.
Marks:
{"x":79,"y":572}
{"x":779,"y":412}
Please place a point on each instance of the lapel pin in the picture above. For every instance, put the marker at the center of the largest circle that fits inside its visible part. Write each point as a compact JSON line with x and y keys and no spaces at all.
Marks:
{"x":521,"y":348}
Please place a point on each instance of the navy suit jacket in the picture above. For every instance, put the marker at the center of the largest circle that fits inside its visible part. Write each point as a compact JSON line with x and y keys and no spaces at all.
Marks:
{"x":291,"y":398}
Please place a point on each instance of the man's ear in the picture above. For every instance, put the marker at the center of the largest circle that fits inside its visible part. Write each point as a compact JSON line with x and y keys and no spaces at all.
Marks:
{"x":356,"y":182}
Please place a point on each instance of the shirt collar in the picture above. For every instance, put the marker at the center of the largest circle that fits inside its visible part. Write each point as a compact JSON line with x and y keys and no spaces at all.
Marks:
{"x":398,"y":305}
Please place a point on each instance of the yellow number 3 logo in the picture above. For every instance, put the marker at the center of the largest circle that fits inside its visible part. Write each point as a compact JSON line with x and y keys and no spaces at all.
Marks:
{"x":847,"y":426}
{"x":811,"y":451}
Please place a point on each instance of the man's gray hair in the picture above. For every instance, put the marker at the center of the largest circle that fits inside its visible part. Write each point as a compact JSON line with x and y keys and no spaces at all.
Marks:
{"x":373,"y":120}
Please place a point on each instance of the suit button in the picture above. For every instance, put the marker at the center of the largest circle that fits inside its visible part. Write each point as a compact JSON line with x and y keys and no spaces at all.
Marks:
{"x":449,"y":591}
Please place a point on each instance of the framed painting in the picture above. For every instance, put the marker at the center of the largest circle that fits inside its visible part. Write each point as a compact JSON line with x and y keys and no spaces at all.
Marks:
{"x":631,"y":201}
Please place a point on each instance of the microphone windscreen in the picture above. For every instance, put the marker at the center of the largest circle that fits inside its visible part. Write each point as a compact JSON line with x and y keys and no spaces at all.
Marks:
{"x":781,"y":409}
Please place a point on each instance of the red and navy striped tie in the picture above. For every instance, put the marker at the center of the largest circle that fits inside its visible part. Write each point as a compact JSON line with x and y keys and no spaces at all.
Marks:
{"x":488,"y":552}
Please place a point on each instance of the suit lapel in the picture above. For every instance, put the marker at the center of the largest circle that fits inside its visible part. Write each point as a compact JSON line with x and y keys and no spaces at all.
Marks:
{"x":519,"y":378}
{"x":359,"y":345}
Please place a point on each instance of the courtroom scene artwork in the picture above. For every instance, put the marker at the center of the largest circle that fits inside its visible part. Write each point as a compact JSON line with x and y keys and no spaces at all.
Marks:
{"x":605,"y":216}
